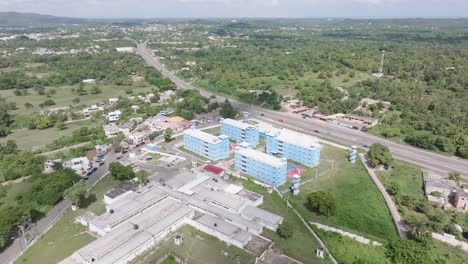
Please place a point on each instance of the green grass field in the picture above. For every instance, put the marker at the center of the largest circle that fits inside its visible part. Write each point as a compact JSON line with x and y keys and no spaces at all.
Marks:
{"x":61,"y":241}
{"x":64,"y":96}
{"x":169,"y":260}
{"x":12,"y":191}
{"x":65,"y":237}
{"x":360,"y":208}
{"x":196,"y":248}
{"x":301,"y":245}
{"x":349,"y":251}
{"x":28,"y":139}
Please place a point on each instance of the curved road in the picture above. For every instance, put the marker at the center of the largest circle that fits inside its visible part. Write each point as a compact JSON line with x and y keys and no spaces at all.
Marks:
{"x":429,"y":160}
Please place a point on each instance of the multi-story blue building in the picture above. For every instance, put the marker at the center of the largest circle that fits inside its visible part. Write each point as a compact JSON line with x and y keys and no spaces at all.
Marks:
{"x":261,"y":166}
{"x":294,"y":146}
{"x":240,"y":131}
{"x":206,"y":145}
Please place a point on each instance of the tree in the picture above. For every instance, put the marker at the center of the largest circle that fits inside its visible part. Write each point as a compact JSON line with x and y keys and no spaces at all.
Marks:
{"x":153,"y":135}
{"x":285,"y":230}
{"x":227,"y":110}
{"x":168,"y":135}
{"x":142,"y":177}
{"x":28,"y":105}
{"x":322,"y":202}
{"x":76,"y":100}
{"x":380,"y":155}
{"x":77,"y":194}
{"x":121,"y":172}
{"x":42,"y":122}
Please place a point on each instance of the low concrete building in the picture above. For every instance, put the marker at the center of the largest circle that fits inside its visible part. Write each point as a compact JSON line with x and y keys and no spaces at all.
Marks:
{"x":80,"y":165}
{"x":113,"y":116}
{"x":111,"y":130}
{"x":89,"y":81}
{"x":139,"y":220}
{"x":87,"y":112}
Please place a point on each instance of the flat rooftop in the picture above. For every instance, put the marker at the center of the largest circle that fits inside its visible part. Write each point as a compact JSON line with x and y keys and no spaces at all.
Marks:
{"x":237,"y":123}
{"x":262,"y":215}
{"x":297,"y":139}
{"x":261,"y":157}
{"x":126,"y":238}
{"x":225,"y":228}
{"x":203,"y":136}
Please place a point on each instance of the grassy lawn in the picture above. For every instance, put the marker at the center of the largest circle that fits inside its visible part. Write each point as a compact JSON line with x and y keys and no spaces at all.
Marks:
{"x":301,"y":245}
{"x":169,"y":260}
{"x":348,"y":251}
{"x":360,"y":208}
{"x":27,"y":139}
{"x":196,"y":248}
{"x":61,"y":241}
{"x":12,"y":191}
{"x":65,"y":237}
{"x":213,"y":131}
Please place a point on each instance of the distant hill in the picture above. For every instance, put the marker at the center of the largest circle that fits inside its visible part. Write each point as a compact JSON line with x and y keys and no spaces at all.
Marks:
{"x":14,"y":19}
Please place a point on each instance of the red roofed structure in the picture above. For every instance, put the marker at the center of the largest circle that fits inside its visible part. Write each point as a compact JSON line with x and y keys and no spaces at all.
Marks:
{"x":214,"y":170}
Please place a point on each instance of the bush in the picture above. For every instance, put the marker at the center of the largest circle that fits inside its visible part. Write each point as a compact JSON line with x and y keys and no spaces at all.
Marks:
{"x":322,"y":202}
{"x":380,"y":155}
{"x":285,"y":230}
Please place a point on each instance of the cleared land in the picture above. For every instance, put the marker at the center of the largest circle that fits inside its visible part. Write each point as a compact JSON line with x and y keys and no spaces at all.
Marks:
{"x":197,"y":248}
{"x":28,"y":139}
{"x":360,"y":208}
{"x":64,"y":96}
{"x":65,"y":237}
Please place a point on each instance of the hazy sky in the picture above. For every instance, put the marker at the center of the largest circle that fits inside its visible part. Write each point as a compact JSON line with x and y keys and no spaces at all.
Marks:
{"x":241,"y":8}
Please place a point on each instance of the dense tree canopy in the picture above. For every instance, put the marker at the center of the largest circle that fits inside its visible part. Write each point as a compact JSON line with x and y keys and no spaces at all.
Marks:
{"x":321,"y":202}
{"x":380,"y":155}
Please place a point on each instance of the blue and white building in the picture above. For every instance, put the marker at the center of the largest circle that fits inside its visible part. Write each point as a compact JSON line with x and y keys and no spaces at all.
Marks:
{"x":240,"y":131}
{"x":294,"y":146}
{"x":206,"y":145}
{"x":263,"y":167}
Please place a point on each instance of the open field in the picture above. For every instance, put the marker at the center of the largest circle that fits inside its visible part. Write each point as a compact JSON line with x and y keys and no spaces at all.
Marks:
{"x":28,"y":139}
{"x":360,"y":208}
{"x":197,"y":248}
{"x":64,"y":96}
{"x":301,"y":245}
{"x":349,"y":251}
{"x":61,"y":241}
{"x":65,"y":237}
{"x":12,"y":191}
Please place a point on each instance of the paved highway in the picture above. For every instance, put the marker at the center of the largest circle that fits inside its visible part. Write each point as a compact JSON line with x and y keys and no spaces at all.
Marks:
{"x":429,"y":160}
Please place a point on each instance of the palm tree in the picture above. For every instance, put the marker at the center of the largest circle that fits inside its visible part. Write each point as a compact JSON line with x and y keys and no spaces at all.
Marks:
{"x":76,"y":100}
{"x":28,"y":105}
